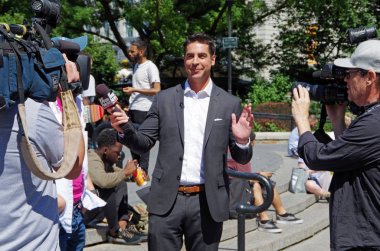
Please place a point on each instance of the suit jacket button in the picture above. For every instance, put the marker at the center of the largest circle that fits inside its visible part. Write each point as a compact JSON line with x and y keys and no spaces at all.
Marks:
{"x":181,"y":158}
{"x":178,"y":177}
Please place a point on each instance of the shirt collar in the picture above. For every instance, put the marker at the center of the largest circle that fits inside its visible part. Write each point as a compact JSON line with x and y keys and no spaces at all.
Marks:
{"x":207,"y":90}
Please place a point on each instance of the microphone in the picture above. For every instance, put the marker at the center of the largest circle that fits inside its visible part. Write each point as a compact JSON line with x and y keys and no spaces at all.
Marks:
{"x":106,"y":98}
{"x":66,"y":46}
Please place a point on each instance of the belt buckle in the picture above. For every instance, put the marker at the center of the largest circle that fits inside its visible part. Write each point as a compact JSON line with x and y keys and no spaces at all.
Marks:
{"x":186,"y":192}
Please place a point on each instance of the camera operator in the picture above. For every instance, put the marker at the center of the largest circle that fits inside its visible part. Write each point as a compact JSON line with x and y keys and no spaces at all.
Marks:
{"x":29,"y":213}
{"x":354,"y":156}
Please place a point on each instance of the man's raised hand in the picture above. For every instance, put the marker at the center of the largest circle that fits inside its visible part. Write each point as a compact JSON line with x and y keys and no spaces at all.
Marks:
{"x":241,"y":129}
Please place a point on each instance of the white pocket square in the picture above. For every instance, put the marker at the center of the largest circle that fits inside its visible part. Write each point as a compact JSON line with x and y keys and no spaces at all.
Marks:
{"x":218,"y":119}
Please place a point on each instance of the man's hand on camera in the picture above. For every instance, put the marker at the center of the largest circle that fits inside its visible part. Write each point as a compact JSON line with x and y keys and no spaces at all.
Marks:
{"x":71,"y":70}
{"x":118,"y":117}
{"x":300,"y":109}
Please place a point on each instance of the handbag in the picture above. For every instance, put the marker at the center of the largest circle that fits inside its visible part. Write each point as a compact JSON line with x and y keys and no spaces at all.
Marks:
{"x":297,"y":180}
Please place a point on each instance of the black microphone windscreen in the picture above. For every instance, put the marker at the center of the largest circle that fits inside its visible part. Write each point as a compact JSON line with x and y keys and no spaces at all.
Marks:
{"x":67,"y":47}
{"x":106,"y":98}
{"x":101,"y":90}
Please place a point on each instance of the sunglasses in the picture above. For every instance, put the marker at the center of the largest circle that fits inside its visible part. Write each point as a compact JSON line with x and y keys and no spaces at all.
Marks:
{"x":348,"y":73}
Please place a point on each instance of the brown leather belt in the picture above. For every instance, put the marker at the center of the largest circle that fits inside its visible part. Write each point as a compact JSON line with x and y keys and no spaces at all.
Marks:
{"x":191,"y":189}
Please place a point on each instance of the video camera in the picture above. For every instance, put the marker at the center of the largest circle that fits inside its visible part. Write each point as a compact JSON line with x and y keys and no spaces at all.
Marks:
{"x":331,"y":87}
{"x":31,"y":64}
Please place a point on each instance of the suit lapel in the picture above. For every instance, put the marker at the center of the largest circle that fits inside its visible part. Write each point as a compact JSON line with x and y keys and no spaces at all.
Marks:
{"x":211,"y":114}
{"x":179,"y":105}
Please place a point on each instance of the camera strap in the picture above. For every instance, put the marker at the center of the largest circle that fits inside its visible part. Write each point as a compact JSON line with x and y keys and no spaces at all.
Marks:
{"x":73,"y":140}
{"x":320,"y":133}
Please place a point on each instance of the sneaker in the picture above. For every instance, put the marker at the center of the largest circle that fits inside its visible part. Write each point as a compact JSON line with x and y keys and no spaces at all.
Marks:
{"x":268,"y":226}
{"x":123,"y":236}
{"x":132,"y":229}
{"x":288,"y":219}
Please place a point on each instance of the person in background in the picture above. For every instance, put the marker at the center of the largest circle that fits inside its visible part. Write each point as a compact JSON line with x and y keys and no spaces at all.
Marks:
{"x":110,"y":184}
{"x":124,"y":74}
{"x":145,"y":84}
{"x":294,"y":137}
{"x":264,"y":223}
{"x":313,"y":184}
{"x":73,"y":195}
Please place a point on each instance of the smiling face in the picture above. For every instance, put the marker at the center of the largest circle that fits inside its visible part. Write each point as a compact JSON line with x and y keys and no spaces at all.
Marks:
{"x":198,"y":62}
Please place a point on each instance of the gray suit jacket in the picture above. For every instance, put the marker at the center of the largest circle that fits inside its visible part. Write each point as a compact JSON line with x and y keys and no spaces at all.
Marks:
{"x":165,"y":123}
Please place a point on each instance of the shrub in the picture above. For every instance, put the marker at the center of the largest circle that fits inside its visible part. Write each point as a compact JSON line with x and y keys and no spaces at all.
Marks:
{"x":273,"y":117}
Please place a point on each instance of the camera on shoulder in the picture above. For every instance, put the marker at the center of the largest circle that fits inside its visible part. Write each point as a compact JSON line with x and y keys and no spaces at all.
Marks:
{"x":329,"y":86}
{"x":31,"y":64}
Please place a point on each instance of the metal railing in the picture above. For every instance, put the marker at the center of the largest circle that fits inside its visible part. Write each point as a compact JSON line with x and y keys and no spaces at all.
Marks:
{"x":244,"y":209}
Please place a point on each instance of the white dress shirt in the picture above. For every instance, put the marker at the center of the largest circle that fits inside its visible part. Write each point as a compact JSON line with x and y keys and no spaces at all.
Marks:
{"x":195,"y":116}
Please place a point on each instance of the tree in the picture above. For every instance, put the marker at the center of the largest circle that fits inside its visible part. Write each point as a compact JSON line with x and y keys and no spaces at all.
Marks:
{"x":104,"y":62}
{"x":165,"y":24}
{"x":276,"y":90}
{"x":333,"y":19}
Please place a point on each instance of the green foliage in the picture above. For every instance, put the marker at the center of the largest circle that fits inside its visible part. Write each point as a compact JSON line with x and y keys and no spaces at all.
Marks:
{"x":273,"y":116}
{"x":333,"y":18}
{"x":104,"y":64}
{"x":257,"y":127}
{"x":272,"y":127}
{"x":275,"y":91}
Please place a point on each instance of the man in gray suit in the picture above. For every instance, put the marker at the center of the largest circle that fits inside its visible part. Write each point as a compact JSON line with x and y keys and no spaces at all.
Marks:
{"x":195,"y":123}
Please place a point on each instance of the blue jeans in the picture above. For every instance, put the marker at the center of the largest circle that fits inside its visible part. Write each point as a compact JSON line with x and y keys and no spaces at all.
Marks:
{"x":77,"y":239}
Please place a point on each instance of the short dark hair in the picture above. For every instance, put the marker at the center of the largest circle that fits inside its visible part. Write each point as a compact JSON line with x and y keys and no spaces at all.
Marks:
{"x":140,"y":44}
{"x":107,"y":138}
{"x":200,"y":38}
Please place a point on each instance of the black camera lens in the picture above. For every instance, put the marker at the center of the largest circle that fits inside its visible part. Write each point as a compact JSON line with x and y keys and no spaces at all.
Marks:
{"x":361,"y":34}
{"x":47,"y":9}
{"x":326,"y":93}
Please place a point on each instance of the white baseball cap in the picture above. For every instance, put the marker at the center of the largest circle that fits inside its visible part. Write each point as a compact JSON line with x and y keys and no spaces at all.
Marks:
{"x":366,"y":56}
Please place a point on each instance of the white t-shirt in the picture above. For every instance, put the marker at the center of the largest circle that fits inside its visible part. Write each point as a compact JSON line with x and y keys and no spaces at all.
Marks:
{"x":143,"y":76}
